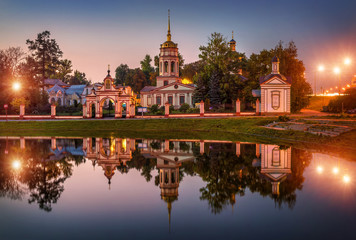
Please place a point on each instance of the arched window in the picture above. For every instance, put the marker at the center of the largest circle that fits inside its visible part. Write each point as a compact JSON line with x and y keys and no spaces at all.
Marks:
{"x":166,"y":66}
{"x":53,"y":100}
{"x":59,"y":101}
{"x":173,"y":66}
{"x":107,"y":84}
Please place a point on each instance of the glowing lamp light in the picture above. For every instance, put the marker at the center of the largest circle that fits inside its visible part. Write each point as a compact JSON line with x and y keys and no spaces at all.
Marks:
{"x":16,"y":164}
{"x":343,"y":89}
{"x":336,"y":87}
{"x":348,"y":85}
{"x":321,"y":68}
{"x":331,"y":89}
{"x":336,"y":70}
{"x":347,"y":61}
{"x":346,"y":179}
{"x":319,"y":169}
{"x":335,"y":170}
{"x":16,"y":86}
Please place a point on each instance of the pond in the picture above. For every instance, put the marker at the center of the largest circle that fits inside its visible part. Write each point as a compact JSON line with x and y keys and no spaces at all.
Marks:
{"x":125,"y":188}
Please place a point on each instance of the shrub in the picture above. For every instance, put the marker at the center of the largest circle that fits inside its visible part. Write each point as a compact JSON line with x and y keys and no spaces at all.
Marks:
{"x":283,"y":118}
{"x":153,"y":109}
{"x":184,"y":107}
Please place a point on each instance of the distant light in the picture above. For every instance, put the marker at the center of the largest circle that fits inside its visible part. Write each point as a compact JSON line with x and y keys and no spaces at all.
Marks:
{"x":327,"y":91}
{"x":16,"y":164}
{"x":319,"y":169}
{"x":346,"y":179}
{"x":343,"y":88}
{"x":335,"y":170}
{"x":16,"y":86}
{"x":348,"y":85}
{"x":336,"y":87}
{"x":331,"y":89}
{"x":347,"y":61}
{"x":321,"y":68}
{"x":336,"y":70}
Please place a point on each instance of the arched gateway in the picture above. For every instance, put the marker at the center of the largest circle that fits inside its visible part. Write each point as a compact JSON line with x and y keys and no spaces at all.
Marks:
{"x":120,"y":95}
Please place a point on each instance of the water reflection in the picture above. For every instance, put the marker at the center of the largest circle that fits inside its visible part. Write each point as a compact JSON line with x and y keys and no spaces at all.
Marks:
{"x":36,"y":168}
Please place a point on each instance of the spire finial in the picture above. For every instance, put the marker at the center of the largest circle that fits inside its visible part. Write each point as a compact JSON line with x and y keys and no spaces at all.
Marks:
{"x":108,"y":69}
{"x":169,"y":26}
{"x":232,"y":34}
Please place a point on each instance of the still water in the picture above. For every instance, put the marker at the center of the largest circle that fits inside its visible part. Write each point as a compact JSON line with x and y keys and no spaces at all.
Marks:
{"x":96,"y":188}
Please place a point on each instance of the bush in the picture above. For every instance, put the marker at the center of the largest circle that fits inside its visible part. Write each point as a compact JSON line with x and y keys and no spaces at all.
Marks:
{"x":283,"y":118}
{"x":153,"y":109}
{"x":184,"y":107}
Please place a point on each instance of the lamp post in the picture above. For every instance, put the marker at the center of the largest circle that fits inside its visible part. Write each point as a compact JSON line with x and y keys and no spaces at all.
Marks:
{"x":321,"y":68}
{"x":337,"y":72}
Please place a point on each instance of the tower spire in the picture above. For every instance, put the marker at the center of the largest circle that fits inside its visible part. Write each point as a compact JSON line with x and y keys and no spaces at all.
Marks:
{"x":232,"y":34}
{"x":169,"y":26}
{"x":108,"y":69}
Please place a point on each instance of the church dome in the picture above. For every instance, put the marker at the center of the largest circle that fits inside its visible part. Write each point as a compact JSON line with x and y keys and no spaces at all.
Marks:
{"x":169,"y":44}
{"x":275,"y":59}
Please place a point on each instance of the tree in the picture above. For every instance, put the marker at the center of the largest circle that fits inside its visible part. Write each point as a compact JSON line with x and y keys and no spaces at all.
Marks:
{"x":46,"y":54}
{"x":138,"y":80}
{"x":121,"y":74}
{"x":63,"y":70}
{"x":146,"y":67}
{"x":78,"y":78}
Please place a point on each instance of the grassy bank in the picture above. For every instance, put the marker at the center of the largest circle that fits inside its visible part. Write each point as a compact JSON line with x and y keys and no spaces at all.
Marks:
{"x":235,"y":129}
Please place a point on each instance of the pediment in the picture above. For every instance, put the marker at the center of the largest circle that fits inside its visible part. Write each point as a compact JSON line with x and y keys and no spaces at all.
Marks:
{"x":275,"y":81}
{"x":176,"y":87}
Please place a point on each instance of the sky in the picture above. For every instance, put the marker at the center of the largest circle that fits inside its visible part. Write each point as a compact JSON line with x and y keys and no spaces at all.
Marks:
{"x":93,"y":34}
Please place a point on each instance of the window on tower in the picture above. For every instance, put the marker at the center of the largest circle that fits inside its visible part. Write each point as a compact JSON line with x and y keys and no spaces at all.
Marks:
{"x":166,"y":66}
{"x":165,"y":83}
{"x":172,"y":67}
{"x":158,"y":100}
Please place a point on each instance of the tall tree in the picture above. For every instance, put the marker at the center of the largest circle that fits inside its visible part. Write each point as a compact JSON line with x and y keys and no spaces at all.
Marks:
{"x":63,"y":70}
{"x":147,"y":68}
{"x":121,"y":74}
{"x":78,"y":78}
{"x":46,"y":54}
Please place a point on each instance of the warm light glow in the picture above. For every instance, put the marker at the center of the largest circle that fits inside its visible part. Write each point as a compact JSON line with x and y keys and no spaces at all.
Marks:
{"x":336,"y":70}
{"x":327,"y":91}
{"x":335,"y":170}
{"x":16,"y":164}
{"x":347,"y":61}
{"x":16,"y":86}
{"x":346,"y":179}
{"x":319,"y":169}
{"x":331,"y":89}
{"x":186,"y":81}
{"x":336,"y":87}
{"x":348,"y":85}
{"x":321,"y":68}
{"x":343,"y":89}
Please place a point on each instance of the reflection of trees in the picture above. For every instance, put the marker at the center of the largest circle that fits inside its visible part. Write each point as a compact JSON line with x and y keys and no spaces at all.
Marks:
{"x":43,"y":177}
{"x":227,"y":175}
{"x":220,"y":168}
{"x":139,"y":162}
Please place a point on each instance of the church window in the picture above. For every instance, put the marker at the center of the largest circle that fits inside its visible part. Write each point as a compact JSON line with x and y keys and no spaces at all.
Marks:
{"x":158,"y":100}
{"x":276,"y":160}
{"x":275,"y":100}
{"x":165,"y":178}
{"x":172,"y":67}
{"x":173,"y":177}
{"x":181,"y":100}
{"x":170,"y":100}
{"x":107,"y":84}
{"x":165,"y":83}
{"x":166,"y":66}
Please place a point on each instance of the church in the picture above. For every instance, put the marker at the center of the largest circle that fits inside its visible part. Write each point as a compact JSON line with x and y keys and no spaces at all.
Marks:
{"x":169,"y":87}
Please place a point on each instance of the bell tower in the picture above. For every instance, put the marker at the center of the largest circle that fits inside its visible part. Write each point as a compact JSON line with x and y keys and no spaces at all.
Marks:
{"x":232,"y":43}
{"x":168,"y":60}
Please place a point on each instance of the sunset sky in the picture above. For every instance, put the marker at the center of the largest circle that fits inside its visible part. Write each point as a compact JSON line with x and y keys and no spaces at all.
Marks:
{"x":94,"y":34}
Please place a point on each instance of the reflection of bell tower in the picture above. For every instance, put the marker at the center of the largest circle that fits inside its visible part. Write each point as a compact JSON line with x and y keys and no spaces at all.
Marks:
{"x":275,"y":164}
{"x":168,"y":182}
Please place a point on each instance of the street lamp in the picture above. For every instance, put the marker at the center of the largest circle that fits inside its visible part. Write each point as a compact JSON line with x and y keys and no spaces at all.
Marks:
{"x":347,"y":61}
{"x":337,"y":72}
{"x":321,"y":68}
{"x":16,"y":86}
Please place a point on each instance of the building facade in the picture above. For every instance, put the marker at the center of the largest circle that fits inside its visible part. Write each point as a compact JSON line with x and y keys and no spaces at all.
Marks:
{"x":275,"y":91}
{"x":169,"y":86}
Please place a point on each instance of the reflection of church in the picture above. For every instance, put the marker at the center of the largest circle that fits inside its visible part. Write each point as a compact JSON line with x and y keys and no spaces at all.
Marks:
{"x":108,"y":153}
{"x":170,"y":155}
{"x":275,"y":164}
